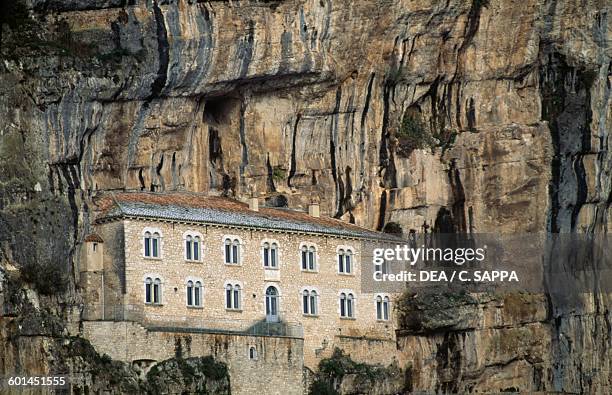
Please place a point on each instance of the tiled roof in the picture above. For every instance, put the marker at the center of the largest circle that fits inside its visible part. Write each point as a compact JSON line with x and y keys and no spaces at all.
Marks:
{"x":192,"y":207}
{"x":94,"y":238}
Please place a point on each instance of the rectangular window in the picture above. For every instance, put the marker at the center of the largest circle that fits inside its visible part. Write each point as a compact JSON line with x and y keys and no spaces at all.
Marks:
{"x":306,"y":304}
{"x":266,"y":257}
{"x":349,"y":308}
{"x":147,"y":246}
{"x":228,"y":298}
{"x":304,"y":260}
{"x":379,"y":310}
{"x":196,"y":251}
{"x":313,"y":305}
{"x":386,"y":311}
{"x":347,"y":263}
{"x":189,"y":297}
{"x":343,"y":307}
{"x":197,"y":296}
{"x":340,"y":263}
{"x":147,"y":293}
{"x":311,"y":258}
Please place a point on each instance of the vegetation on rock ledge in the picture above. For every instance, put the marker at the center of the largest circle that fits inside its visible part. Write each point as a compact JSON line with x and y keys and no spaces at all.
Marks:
{"x":334,"y":369}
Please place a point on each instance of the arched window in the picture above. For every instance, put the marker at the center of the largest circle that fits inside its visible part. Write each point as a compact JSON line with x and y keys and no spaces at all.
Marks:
{"x":313,"y":302}
{"x":252,"y":353}
{"x":196,"y":248}
{"x":383,"y":267}
{"x":197,"y":294}
{"x":232,"y":251}
{"x":193,"y":245}
{"x":347,"y":305}
{"x":271,"y":304}
{"x":189,"y":293}
{"x":382,"y":308}
{"x":345,"y":261}
{"x":188,"y":248}
{"x":148,"y":290}
{"x":309,"y":258}
{"x":232,"y":296}
{"x":153,"y":290}
{"x":194,"y":293}
{"x":157,"y":291}
{"x":309,"y":302}
{"x":152,"y":244}
{"x":270,"y":255}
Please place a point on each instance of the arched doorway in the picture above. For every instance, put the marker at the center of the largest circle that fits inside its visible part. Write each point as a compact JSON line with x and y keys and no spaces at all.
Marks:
{"x":271,"y":304}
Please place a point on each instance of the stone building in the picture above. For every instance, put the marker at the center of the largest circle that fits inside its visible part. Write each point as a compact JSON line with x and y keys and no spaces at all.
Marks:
{"x":186,"y":262}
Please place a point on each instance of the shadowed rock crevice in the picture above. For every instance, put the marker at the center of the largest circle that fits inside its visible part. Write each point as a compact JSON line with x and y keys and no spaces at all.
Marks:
{"x":566,"y":105}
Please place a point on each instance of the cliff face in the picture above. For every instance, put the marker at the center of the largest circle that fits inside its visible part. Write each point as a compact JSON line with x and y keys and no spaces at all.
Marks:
{"x":510,"y":101}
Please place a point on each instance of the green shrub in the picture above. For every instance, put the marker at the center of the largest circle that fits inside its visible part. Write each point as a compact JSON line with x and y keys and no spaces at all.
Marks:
{"x":333,"y":369}
{"x":278,"y":174}
{"x":413,"y":133}
{"x":319,"y":387}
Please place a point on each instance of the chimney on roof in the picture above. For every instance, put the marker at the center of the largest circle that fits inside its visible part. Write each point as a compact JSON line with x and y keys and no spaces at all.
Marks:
{"x":253,"y":199}
{"x":313,"y":208}
{"x":254,"y":203}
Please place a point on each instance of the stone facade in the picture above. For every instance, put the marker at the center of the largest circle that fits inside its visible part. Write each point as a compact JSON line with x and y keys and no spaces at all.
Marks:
{"x":276,"y":366}
{"x":126,"y":269}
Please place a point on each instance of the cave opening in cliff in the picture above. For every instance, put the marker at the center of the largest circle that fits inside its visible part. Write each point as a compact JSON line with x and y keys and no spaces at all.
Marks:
{"x":219,"y":110}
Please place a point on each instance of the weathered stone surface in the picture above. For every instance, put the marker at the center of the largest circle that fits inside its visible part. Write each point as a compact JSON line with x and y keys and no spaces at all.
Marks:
{"x":305,"y":97}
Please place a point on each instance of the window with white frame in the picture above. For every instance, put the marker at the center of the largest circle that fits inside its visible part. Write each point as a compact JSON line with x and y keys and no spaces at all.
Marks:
{"x":270,"y":254}
{"x":272,"y":303}
{"x":233,"y":294}
{"x":382,"y":307}
{"x":193,"y":247}
{"x":347,"y":305}
{"x":308,"y":254}
{"x":382,"y":267}
{"x":232,"y":250}
{"x":194,"y":293}
{"x":310,"y":302}
{"x":345,"y":261}
{"x":152,"y":243}
{"x":153,"y":290}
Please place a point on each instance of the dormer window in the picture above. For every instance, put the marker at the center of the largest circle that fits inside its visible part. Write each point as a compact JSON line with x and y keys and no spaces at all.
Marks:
{"x":345,"y":261}
{"x":232,"y":250}
{"x":270,"y":255}
{"x":193,"y":247}
{"x":308,"y":257}
{"x":152,"y":244}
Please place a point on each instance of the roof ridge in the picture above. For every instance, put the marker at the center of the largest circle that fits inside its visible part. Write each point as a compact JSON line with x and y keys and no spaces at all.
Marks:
{"x":224,"y":210}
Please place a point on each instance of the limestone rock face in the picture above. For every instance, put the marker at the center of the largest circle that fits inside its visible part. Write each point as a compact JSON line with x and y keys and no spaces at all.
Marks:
{"x":303,"y":98}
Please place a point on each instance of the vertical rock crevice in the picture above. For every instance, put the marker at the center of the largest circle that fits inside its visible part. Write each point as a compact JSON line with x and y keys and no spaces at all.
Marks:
{"x":163,"y":49}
